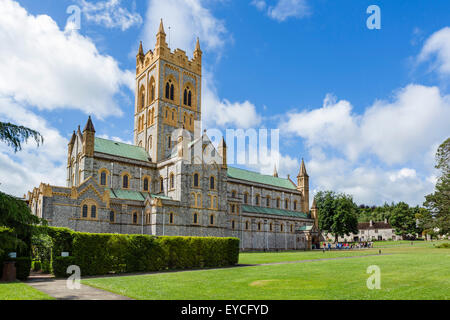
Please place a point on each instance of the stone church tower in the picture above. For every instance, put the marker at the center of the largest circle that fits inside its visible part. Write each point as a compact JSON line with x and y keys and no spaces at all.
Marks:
{"x":303,"y":187}
{"x":168,"y":91}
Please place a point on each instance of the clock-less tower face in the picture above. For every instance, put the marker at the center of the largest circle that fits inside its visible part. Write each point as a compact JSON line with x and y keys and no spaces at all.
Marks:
{"x":168,"y":91}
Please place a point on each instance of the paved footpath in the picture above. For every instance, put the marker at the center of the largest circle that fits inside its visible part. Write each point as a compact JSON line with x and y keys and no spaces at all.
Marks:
{"x":57,"y":289}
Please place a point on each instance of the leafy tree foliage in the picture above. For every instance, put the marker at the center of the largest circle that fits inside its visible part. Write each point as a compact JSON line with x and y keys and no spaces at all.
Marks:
{"x":14,"y":135}
{"x":337,"y":213}
{"x":439,"y":201}
{"x":403,"y":219}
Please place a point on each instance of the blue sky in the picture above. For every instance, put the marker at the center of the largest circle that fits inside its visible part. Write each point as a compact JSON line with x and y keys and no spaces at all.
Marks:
{"x":365,"y":108}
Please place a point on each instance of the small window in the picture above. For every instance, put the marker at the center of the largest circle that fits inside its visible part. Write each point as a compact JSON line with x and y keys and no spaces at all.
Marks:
{"x":245,"y":198}
{"x":257,"y":200}
{"x":172,"y":181}
{"x":85,"y":211}
{"x":125,"y":182}
{"x":232,"y":224}
{"x":282,"y":227}
{"x":167,"y":90}
{"x":286,"y":204}
{"x":111,"y":216}
{"x":146,"y":184}
{"x":278,"y":202}
{"x":295,"y":205}
{"x":195,"y":179}
{"x":161,"y":184}
{"x":172,"y":92}
{"x":212,"y":185}
{"x":189,"y":99}
{"x":259,"y":226}
{"x":171,"y":218}
{"x":135,"y":218}
{"x":271,"y":227}
{"x":233,"y":194}
{"x":246,"y":225}
{"x":93,"y":212}
{"x":195,"y":218}
{"x":211,"y":219}
{"x":233,"y":210}
{"x":103,"y":178}
{"x":292,"y":228}
{"x":268,"y":202}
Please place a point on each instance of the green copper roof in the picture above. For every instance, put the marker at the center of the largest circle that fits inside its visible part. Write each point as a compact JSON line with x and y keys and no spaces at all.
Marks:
{"x":305,"y":228}
{"x":120,"y":149}
{"x":242,"y":174}
{"x":133,"y":195}
{"x":274,"y":211}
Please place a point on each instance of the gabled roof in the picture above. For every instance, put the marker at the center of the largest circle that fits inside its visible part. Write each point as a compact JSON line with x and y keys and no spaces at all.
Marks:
{"x":120,"y":149}
{"x":252,"y":176}
{"x":273,"y":211}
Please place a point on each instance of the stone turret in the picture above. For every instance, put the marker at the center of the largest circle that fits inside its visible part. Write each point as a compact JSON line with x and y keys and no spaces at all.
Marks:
{"x":303,"y":187}
{"x":223,"y":152}
{"x":88,"y":138}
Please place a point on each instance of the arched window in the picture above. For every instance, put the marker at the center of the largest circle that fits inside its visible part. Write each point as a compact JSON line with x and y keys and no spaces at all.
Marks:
{"x":246,"y":198}
{"x":246,"y":225}
{"x":167,"y":90}
{"x":189,"y":99}
{"x":103,"y":178}
{"x":286,"y":204}
{"x":281,"y":227}
{"x":85,"y":211}
{"x":172,"y":181}
{"x":257,"y":199}
{"x":171,"y":218}
{"x":93,"y":212}
{"x":185,"y":99}
{"x":135,"y":218}
{"x":295,"y":205}
{"x":268,"y":201}
{"x":212,"y":184}
{"x":111,"y":216}
{"x":125,"y":182}
{"x":172,"y":92}
{"x":196,"y":180}
{"x":271,"y":227}
{"x":233,"y":194}
{"x":161,"y":184}
{"x":259,"y":226}
{"x":232,"y":224}
{"x":211,"y":219}
{"x":292,"y":227}
{"x":278,"y":203}
{"x":152,"y":96}
{"x":145,"y":184}
{"x":195,"y":218}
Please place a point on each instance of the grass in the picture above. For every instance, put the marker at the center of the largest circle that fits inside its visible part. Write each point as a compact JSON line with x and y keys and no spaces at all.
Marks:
{"x":409,"y":272}
{"x":21,"y":291}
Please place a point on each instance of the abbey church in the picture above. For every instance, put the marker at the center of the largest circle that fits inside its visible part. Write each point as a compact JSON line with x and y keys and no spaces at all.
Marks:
{"x":173,"y":180}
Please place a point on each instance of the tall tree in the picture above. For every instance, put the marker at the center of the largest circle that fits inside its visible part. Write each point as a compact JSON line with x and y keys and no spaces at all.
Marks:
{"x":439,"y":201}
{"x":15,"y":216}
{"x":403,"y":220}
{"x":337,"y":213}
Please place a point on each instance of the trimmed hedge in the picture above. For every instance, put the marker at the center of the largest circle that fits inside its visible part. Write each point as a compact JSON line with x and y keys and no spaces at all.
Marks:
{"x":23,"y":267}
{"x":98,"y":254}
{"x":60,"y":265}
{"x":62,"y":240}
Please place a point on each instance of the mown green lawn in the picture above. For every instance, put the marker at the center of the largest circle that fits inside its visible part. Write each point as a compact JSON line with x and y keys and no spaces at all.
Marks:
{"x":21,"y":291}
{"x":407,"y":273}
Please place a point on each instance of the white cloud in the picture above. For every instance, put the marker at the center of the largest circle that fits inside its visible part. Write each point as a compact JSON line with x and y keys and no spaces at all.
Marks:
{"x":342,"y":144}
{"x":223,"y":113}
{"x":114,"y":138}
{"x":395,"y":131}
{"x":49,"y":68}
{"x":187,"y":21}
{"x":26,"y":169}
{"x":438,"y":46}
{"x":259,"y":4}
{"x":284,"y":9}
{"x":110,"y":14}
